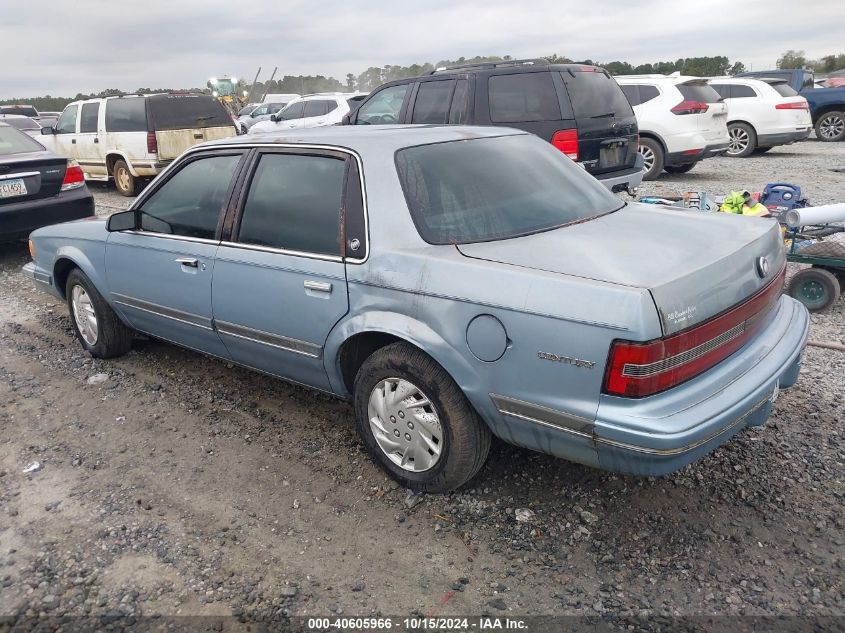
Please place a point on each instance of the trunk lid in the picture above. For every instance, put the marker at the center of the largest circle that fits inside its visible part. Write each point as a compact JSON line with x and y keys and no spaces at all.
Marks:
{"x":695,"y":264}
{"x":607,"y":128}
{"x":26,"y":177}
{"x":713,"y":124}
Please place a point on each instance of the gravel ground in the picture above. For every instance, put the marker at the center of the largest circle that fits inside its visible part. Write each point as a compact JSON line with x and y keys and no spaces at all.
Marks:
{"x":173,"y":484}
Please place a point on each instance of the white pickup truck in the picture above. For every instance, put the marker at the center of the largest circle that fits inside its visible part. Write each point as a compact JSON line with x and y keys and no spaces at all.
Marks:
{"x":132,"y":138}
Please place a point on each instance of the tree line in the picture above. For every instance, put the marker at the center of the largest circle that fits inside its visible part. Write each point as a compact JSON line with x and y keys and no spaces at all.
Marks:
{"x":374,"y":76}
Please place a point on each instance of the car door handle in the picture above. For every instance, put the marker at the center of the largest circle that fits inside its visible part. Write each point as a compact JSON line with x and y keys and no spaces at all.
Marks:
{"x":191,"y":262}
{"x":73,"y":141}
{"x":318,"y":286}
{"x":96,"y":140}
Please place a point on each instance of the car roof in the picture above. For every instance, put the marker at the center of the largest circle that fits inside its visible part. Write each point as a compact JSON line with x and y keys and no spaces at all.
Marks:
{"x":657,"y":78}
{"x":15,"y":116}
{"x":747,"y":80}
{"x":367,"y":138}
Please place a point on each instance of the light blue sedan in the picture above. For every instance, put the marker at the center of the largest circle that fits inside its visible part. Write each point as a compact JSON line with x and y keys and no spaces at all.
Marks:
{"x":454,"y":283}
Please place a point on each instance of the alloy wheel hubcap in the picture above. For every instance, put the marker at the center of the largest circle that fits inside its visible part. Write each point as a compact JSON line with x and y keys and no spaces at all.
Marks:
{"x":738,"y":141}
{"x":831,"y":126}
{"x":123,"y":179}
{"x":405,"y":425}
{"x":648,"y":158}
{"x":84,"y":315}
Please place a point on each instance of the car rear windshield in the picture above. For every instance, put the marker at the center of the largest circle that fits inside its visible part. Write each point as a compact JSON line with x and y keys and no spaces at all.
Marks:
{"x":180,"y":112}
{"x":783,"y":89}
{"x":14,"y":142}
{"x":497,"y":188}
{"x":22,"y":110}
{"x":594,"y":94}
{"x":699,"y":92}
{"x":22,"y":123}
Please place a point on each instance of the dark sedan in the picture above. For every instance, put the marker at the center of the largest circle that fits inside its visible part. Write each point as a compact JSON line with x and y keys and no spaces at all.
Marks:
{"x":37,"y":188}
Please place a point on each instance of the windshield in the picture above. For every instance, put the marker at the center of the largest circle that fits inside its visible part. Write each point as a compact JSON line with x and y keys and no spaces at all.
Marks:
{"x":496,"y":188}
{"x":14,"y":142}
{"x":22,"y":123}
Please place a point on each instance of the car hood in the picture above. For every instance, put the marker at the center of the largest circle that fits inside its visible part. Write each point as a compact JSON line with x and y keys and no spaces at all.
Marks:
{"x":694,"y":264}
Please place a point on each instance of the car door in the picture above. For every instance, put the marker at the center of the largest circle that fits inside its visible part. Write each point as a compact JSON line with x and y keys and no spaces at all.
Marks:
{"x":279,"y":282}
{"x":88,"y":149}
{"x":290,"y":117}
{"x":65,"y":132}
{"x":159,"y":274}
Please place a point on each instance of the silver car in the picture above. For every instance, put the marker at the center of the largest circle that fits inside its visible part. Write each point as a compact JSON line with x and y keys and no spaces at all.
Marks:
{"x":453,"y":283}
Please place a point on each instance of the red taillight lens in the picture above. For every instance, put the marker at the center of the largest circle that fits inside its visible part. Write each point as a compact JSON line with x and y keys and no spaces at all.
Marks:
{"x":690,"y":107}
{"x":152,"y":143}
{"x":635,"y":370}
{"x":793,"y":105}
{"x":74,"y":178}
{"x":567,"y":142}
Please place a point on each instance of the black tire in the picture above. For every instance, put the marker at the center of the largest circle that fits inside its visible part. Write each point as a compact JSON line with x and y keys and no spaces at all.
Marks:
{"x":679,"y":169}
{"x":652,"y":152}
{"x":762,"y":150}
{"x":465,"y":437}
{"x":816,"y":288}
{"x":125,"y":183}
{"x":743,"y":140}
{"x":113,"y":337}
{"x":830,"y":127}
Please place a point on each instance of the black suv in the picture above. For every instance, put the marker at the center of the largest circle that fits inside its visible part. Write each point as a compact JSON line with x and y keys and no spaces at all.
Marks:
{"x":579,"y":109}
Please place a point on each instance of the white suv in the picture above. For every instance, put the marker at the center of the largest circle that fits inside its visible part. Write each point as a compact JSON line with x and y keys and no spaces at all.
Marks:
{"x":762,"y":113}
{"x":681,"y":120}
{"x":314,"y":110}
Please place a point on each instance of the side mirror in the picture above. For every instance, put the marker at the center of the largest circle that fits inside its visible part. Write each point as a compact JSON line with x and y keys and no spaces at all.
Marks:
{"x":274,"y":118}
{"x":347,"y":119}
{"x":123,"y":221}
{"x":47,"y":130}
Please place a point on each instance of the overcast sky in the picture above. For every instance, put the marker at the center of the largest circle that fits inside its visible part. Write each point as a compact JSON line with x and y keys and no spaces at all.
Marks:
{"x":62,"y":48}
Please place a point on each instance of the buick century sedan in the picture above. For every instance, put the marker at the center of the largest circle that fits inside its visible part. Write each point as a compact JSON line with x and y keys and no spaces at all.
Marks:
{"x":453,"y":283}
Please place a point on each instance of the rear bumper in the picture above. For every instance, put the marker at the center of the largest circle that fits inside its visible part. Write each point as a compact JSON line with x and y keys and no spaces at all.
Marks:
{"x":783,"y":138}
{"x":660,"y":434}
{"x":18,"y":220}
{"x":680,"y":158}
{"x":623,"y":179}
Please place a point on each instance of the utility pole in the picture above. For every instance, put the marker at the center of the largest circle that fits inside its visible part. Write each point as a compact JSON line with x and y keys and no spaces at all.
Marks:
{"x":267,"y":85}
{"x":252,"y":86}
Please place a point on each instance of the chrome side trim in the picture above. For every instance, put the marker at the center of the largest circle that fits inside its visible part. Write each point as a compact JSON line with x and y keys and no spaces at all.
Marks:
{"x":273,"y":340}
{"x":163,"y":311}
{"x":277,"y":251}
{"x":687,"y":447}
{"x":168,"y":236}
{"x":560,"y":420}
{"x":23,"y":174}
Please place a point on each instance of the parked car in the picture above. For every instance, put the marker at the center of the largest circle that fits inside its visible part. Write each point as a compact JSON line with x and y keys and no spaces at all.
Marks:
{"x":317,"y":110}
{"x":37,"y":188}
{"x":762,"y":114}
{"x":20,"y":109}
{"x":681,"y":121}
{"x":827,"y":105}
{"x":134,"y":137}
{"x":280,"y":97}
{"x":578,"y":109}
{"x":453,"y":282}
{"x":22,"y":123}
{"x":261,"y":113}
{"x":247,"y":109}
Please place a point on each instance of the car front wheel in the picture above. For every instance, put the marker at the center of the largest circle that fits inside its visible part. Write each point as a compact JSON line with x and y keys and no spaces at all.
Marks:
{"x":831,"y":126}
{"x":416,"y":422}
{"x":98,"y":328}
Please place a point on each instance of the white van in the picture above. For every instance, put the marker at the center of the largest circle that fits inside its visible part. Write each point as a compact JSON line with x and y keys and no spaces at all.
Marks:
{"x":134,"y":137}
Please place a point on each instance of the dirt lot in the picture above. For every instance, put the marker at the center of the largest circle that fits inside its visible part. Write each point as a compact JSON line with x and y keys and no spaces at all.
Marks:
{"x":170,"y":483}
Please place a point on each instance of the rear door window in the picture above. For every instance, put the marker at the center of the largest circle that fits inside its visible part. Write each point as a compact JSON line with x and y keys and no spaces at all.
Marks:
{"x":67,"y":121}
{"x":701,"y":92}
{"x":458,"y":111}
{"x":126,"y":115}
{"x":88,"y":118}
{"x":318,"y":107}
{"x":523,"y":97}
{"x":639,"y":93}
{"x":384,"y":107}
{"x":432,"y":102}
{"x":596,"y":94}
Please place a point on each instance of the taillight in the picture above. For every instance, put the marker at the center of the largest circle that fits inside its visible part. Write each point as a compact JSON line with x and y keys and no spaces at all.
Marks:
{"x":635,"y":370}
{"x":690,"y":107}
{"x":567,"y":142}
{"x":74,"y":178}
{"x":152,"y":143}
{"x":793,"y":105}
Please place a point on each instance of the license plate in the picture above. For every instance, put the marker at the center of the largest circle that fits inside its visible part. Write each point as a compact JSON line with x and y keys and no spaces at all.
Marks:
{"x":12,"y":187}
{"x":611,"y":156}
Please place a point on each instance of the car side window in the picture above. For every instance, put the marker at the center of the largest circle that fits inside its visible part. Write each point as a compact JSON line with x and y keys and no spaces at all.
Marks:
{"x":458,"y":112}
{"x":190,"y":202}
{"x":88,"y":118}
{"x":724,"y":90}
{"x":384,"y":107}
{"x":432,"y":102}
{"x":67,"y":121}
{"x":294,"y":203}
{"x":291,"y":112}
{"x":739,"y":91}
{"x":315,"y":108}
{"x":126,"y":114}
{"x":523,"y":97}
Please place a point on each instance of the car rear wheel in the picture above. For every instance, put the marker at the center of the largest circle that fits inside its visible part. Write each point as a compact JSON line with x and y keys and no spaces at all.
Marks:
{"x":679,"y":169}
{"x":816,"y":288}
{"x":831,"y":127}
{"x":98,"y":328}
{"x":125,"y":183}
{"x":652,"y":153}
{"x":742,"y":140}
{"x":416,"y":422}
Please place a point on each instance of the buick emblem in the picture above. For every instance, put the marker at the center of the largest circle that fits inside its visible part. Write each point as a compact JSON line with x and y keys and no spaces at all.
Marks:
{"x":762,"y":266}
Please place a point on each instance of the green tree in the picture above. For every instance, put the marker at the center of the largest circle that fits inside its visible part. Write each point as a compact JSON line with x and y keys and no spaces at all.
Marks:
{"x":738,"y":67}
{"x":792,"y":59}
